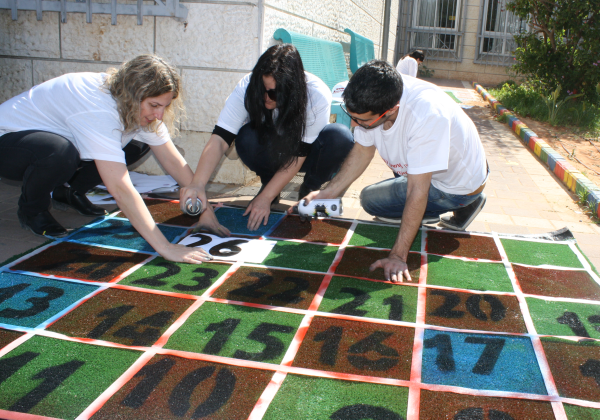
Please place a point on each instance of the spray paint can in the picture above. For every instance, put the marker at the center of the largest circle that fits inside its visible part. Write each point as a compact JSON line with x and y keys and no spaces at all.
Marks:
{"x":193,"y":209}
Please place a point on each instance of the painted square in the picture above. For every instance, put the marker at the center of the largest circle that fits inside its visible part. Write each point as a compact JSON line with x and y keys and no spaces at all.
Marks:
{"x":120,"y":234}
{"x":360,"y":348}
{"x":302,"y":256}
{"x":29,"y":301}
{"x":336,"y":399}
{"x":462,"y":245}
{"x":378,"y":236}
{"x":575,"y":367}
{"x":233,"y":220}
{"x":187,"y":389}
{"x":123,"y":316}
{"x":575,"y":412}
{"x":481,"y":361}
{"x":169,"y":276}
{"x":241,"y":332}
{"x":167,"y":212}
{"x":449,"y":406}
{"x":538,"y":253}
{"x":83,"y":262}
{"x":251,"y":250}
{"x":356,"y":262}
{"x":57,"y":378}
{"x":330,"y":231}
{"x":472,"y":275}
{"x":474,"y":311}
{"x":573,"y":284}
{"x":565,"y":318}
{"x":372,"y":299}
{"x":292,"y":289}
{"x":8,"y":336}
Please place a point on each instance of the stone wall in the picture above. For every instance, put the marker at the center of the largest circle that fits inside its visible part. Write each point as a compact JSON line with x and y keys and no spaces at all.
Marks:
{"x":214,"y":47}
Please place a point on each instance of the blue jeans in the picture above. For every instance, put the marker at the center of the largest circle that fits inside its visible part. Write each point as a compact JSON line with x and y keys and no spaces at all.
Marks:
{"x":387,"y":199}
{"x":326,"y":156}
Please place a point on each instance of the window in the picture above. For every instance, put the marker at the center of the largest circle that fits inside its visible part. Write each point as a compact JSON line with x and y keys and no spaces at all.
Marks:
{"x":435,"y":28}
{"x":496,"y":39}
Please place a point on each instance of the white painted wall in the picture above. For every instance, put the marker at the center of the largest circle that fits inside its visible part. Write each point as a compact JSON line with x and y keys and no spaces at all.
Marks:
{"x":217,"y":44}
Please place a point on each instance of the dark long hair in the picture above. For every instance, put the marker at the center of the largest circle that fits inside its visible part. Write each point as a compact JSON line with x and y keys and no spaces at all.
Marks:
{"x":283,"y":134}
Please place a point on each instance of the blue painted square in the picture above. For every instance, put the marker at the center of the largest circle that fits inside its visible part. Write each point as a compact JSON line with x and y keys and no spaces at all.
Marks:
{"x":119,"y":233}
{"x":552,"y":159}
{"x":28,"y":301}
{"x":481,"y":361}
{"x":232,"y":219}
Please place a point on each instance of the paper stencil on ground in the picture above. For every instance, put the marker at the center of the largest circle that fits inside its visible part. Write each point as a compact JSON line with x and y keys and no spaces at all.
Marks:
{"x":289,"y":323}
{"x":230,"y":249}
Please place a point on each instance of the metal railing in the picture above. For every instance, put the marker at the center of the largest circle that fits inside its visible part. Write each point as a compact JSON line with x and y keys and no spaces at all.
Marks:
{"x":140,"y":9}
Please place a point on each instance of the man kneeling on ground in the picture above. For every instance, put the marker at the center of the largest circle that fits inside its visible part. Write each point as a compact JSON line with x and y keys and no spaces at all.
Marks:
{"x":430,"y":144}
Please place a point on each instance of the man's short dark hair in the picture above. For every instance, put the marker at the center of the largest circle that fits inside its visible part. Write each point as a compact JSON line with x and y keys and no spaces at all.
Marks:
{"x":375,"y":87}
{"x":417,"y":55}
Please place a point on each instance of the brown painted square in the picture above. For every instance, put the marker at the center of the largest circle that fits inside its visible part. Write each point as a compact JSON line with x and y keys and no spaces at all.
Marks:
{"x":557,"y":283}
{"x":448,"y":406}
{"x":567,"y":360}
{"x":389,"y":356}
{"x":462,"y":245}
{"x":167,"y":212}
{"x":315,"y":230}
{"x":8,"y":336}
{"x":82,"y":262}
{"x":162,"y":402}
{"x":474,"y":311}
{"x":291,"y":289}
{"x":123,"y":316}
{"x":356,"y":262}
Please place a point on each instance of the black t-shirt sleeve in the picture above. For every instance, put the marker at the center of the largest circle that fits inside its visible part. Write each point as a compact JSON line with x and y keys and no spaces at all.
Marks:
{"x":304,"y":149}
{"x":228,"y":136}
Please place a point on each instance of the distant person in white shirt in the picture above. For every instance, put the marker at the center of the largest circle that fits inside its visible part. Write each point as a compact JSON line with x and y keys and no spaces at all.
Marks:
{"x":427,"y":140}
{"x":409,"y":64}
{"x":278,"y":116}
{"x":69,"y":134}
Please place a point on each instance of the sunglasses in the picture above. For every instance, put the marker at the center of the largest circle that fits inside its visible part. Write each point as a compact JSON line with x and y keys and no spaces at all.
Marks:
{"x":272,"y":93}
{"x":343,"y":106}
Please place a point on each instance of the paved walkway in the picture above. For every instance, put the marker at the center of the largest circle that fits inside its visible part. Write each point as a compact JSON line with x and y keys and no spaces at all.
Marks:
{"x":523,"y":196}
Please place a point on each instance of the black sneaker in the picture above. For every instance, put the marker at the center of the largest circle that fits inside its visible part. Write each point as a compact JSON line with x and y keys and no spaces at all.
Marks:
{"x":65,"y":197}
{"x":427,"y":220}
{"x":42,"y":224}
{"x":462,"y":218}
{"x":304,"y":191}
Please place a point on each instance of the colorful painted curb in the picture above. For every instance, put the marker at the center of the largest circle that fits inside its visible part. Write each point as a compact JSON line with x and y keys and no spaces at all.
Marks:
{"x":562,"y":168}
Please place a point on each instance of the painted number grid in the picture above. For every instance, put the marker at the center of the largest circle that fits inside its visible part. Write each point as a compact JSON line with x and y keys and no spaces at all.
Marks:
{"x":97,"y":326}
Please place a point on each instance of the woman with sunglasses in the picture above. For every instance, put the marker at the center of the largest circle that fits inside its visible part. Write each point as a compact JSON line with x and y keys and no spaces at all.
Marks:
{"x":278,"y":116}
{"x":68,"y":134}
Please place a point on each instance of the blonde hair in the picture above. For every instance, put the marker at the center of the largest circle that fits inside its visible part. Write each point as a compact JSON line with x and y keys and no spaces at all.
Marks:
{"x":145,"y":76}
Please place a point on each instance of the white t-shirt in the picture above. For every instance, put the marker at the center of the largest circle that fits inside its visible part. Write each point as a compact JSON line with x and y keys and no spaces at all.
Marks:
{"x":75,"y":107}
{"x":408,"y":66}
{"x":431,"y":134}
{"x":234,"y":114}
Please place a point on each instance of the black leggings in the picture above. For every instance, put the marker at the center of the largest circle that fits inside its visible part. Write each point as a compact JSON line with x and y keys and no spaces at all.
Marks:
{"x":44,"y":161}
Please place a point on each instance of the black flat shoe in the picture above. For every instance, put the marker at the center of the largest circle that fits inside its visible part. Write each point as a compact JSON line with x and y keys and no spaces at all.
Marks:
{"x":42,"y":224}
{"x":65,"y":197}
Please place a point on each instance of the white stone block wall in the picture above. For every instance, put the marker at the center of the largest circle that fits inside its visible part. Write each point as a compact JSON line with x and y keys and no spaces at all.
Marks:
{"x":213,"y":48}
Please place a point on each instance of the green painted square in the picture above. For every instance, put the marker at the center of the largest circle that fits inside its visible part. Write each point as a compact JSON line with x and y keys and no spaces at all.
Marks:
{"x":576,"y":319}
{"x":349,"y":296}
{"x":169,"y":276}
{"x":235,"y":331}
{"x":380,"y":237}
{"x":574,"y":412}
{"x":74,"y":373}
{"x":538,"y":253}
{"x":304,"y":256}
{"x":307,"y":398}
{"x":467,"y":274}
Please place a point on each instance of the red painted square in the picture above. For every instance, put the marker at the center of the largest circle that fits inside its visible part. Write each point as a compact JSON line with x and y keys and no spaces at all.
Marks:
{"x":462,"y":245}
{"x":557,"y":283}
{"x":167,"y":212}
{"x":356,"y":262}
{"x":315,"y":230}
{"x":360,"y":348}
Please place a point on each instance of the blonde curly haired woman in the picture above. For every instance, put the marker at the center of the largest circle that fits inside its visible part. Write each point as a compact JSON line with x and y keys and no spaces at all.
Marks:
{"x":70,"y":133}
